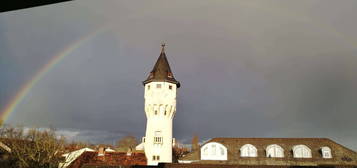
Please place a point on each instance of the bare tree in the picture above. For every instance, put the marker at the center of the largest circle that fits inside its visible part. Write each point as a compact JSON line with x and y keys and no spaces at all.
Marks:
{"x":127,"y":142}
{"x":33,"y":148}
{"x":179,"y":151}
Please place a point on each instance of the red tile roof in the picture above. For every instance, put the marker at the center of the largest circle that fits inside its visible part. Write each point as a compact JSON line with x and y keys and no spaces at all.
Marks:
{"x":196,"y":165}
{"x":109,"y":159}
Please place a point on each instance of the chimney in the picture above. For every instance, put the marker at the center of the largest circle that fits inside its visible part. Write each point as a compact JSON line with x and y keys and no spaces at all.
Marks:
{"x":101,"y":151}
{"x":129,"y":152}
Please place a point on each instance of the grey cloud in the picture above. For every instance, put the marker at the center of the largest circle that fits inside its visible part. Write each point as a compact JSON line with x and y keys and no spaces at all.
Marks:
{"x":248,"y":68}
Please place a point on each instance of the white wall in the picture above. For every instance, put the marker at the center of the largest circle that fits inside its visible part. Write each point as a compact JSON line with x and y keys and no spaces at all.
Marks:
{"x":160,"y":108}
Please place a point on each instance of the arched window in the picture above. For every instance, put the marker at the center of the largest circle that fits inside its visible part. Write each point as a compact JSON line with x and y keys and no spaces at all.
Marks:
{"x":301,"y":151}
{"x":274,"y":150}
{"x":213,"y":151}
{"x":248,"y":150}
{"x":326,"y":152}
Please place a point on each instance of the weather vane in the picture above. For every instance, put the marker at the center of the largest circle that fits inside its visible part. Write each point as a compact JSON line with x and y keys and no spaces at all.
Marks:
{"x":163,"y":47}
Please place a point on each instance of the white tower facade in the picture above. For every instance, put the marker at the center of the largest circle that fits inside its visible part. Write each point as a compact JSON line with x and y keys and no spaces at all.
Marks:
{"x":160,"y":108}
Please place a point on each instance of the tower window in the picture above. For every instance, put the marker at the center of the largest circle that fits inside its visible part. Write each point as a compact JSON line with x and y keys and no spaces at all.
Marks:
{"x":155,"y":112}
{"x":148,"y":87}
{"x":170,"y":87}
{"x":158,"y":138}
{"x":156,"y":157}
{"x":165,"y":112}
{"x":158,"y":85}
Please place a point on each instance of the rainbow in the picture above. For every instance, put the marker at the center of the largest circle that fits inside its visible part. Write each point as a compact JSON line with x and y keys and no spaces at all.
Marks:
{"x":26,"y":88}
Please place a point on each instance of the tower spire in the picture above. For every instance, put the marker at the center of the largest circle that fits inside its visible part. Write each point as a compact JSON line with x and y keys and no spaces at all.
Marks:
{"x":162,"y":71}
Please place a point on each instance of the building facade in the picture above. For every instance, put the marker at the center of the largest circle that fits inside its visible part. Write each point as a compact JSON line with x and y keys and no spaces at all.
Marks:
{"x":315,"y":152}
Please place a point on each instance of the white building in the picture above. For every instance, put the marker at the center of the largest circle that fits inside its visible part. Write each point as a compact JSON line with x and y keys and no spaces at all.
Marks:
{"x":160,"y":108}
{"x":276,"y":152}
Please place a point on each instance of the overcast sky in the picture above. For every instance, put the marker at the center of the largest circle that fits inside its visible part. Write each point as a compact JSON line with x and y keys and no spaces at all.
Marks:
{"x":250,"y":68}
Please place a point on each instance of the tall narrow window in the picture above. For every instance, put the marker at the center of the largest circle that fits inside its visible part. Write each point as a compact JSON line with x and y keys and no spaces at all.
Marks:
{"x":170,"y":87}
{"x":148,"y":87}
{"x":205,"y":150}
{"x":222,"y":151}
{"x":156,"y":157}
{"x":213,"y":149}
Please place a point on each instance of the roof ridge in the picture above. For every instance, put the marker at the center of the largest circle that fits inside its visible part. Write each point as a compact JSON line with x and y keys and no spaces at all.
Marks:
{"x":270,"y":138}
{"x":342,"y":146}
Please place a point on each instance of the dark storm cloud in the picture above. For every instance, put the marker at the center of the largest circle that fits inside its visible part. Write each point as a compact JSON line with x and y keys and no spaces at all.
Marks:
{"x":92,"y":136}
{"x":247,"y":68}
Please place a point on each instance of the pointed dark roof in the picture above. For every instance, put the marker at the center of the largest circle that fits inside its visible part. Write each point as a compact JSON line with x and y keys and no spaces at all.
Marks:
{"x":162,"y":71}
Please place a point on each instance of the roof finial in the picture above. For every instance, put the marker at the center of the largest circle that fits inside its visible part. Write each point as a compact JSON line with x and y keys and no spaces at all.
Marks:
{"x":163,"y":47}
